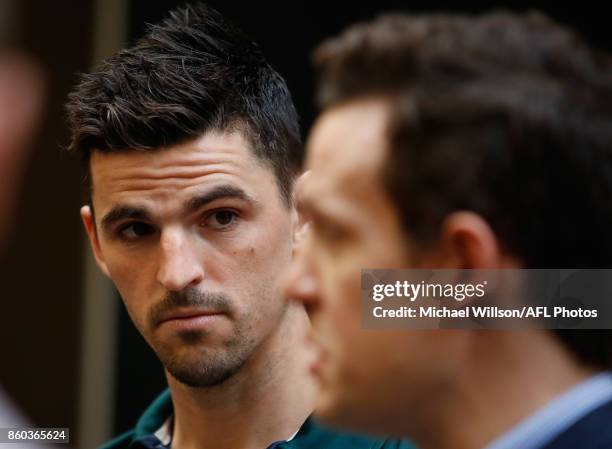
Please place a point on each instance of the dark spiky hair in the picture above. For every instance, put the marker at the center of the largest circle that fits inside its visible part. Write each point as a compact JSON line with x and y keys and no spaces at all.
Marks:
{"x":194,"y":72}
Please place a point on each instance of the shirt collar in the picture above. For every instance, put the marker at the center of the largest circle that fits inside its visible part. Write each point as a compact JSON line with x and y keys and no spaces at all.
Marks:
{"x":164,"y":434}
{"x":154,"y":428}
{"x":557,"y":416}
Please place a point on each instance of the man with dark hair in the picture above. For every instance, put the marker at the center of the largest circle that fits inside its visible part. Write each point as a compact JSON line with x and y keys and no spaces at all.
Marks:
{"x":458,"y":142}
{"x":190,"y":144}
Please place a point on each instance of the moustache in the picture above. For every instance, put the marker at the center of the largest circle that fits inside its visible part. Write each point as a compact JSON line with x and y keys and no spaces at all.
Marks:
{"x":188,"y":298}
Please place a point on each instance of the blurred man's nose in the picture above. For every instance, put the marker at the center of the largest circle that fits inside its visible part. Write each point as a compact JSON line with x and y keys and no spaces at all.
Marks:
{"x":300,"y":282}
{"x":179,"y":264}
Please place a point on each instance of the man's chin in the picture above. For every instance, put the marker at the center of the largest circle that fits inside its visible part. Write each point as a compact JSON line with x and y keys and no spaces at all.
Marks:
{"x":332,"y":408}
{"x":200,"y":365}
{"x":349,"y":413}
{"x":195,"y":379}
{"x":201,"y":373}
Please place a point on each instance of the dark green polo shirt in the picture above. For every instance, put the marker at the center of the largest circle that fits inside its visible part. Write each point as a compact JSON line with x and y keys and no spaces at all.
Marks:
{"x":310,"y":436}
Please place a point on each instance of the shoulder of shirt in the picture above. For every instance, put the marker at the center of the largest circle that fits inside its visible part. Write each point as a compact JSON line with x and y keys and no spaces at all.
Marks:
{"x":151,"y":419}
{"x":319,"y":437}
{"x":348,"y":442}
{"x":120,"y":442}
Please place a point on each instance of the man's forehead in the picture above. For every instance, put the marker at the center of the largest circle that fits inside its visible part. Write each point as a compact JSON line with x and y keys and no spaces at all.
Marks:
{"x":213,"y":152}
{"x":347,"y":146}
{"x":177,"y":171}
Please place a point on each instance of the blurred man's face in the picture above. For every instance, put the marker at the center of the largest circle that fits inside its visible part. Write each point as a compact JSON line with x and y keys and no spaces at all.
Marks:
{"x":368,"y":379}
{"x":194,"y":237}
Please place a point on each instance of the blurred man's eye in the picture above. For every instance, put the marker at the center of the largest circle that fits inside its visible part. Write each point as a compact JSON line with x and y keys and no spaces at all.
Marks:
{"x":329,"y":232}
{"x":221,"y":220}
{"x":134,"y":231}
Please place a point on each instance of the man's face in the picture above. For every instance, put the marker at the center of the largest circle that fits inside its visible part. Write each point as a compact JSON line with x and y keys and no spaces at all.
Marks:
{"x":368,"y":379}
{"x":194,"y":237}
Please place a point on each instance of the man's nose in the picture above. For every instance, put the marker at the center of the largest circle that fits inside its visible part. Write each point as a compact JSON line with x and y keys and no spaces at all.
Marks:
{"x":179,"y":264}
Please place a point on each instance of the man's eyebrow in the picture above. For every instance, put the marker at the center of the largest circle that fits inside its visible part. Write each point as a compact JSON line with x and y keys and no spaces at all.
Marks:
{"x":222,"y":191}
{"x":122,"y":213}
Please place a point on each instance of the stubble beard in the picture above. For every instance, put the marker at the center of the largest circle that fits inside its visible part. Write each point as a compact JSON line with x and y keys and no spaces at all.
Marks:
{"x":204,"y":366}
{"x":197,"y":361}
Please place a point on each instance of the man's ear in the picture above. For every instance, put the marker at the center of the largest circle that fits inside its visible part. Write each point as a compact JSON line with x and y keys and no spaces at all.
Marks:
{"x":87,"y":217}
{"x":300,"y":227}
{"x":468,"y":242}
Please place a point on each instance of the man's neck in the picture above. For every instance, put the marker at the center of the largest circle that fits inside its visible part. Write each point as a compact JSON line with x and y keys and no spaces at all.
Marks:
{"x":518,"y":374}
{"x":266,"y":401}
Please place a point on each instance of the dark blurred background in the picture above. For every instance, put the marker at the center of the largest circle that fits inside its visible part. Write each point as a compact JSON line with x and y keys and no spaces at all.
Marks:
{"x":70,"y":355}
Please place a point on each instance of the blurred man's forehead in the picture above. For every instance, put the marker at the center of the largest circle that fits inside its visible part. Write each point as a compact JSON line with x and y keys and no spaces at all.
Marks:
{"x":347,"y":147}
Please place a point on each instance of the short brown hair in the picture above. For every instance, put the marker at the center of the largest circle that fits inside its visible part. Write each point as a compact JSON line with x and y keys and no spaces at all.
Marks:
{"x":508,"y":115}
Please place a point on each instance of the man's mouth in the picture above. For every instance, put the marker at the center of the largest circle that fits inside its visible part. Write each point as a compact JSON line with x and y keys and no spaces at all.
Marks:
{"x":191,"y":318}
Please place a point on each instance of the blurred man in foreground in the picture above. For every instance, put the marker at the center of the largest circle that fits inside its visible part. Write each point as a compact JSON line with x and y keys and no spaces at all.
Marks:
{"x":190,"y":143}
{"x":469,"y":143}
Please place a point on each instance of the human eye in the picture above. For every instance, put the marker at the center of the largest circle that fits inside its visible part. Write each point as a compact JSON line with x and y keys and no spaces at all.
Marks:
{"x":134,"y":231}
{"x":328,"y":231}
{"x":221,"y":220}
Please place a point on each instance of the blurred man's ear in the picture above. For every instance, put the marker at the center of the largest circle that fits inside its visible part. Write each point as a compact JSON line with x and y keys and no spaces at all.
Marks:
{"x":468,"y":242}
{"x":300,"y":219}
{"x":90,"y":228}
